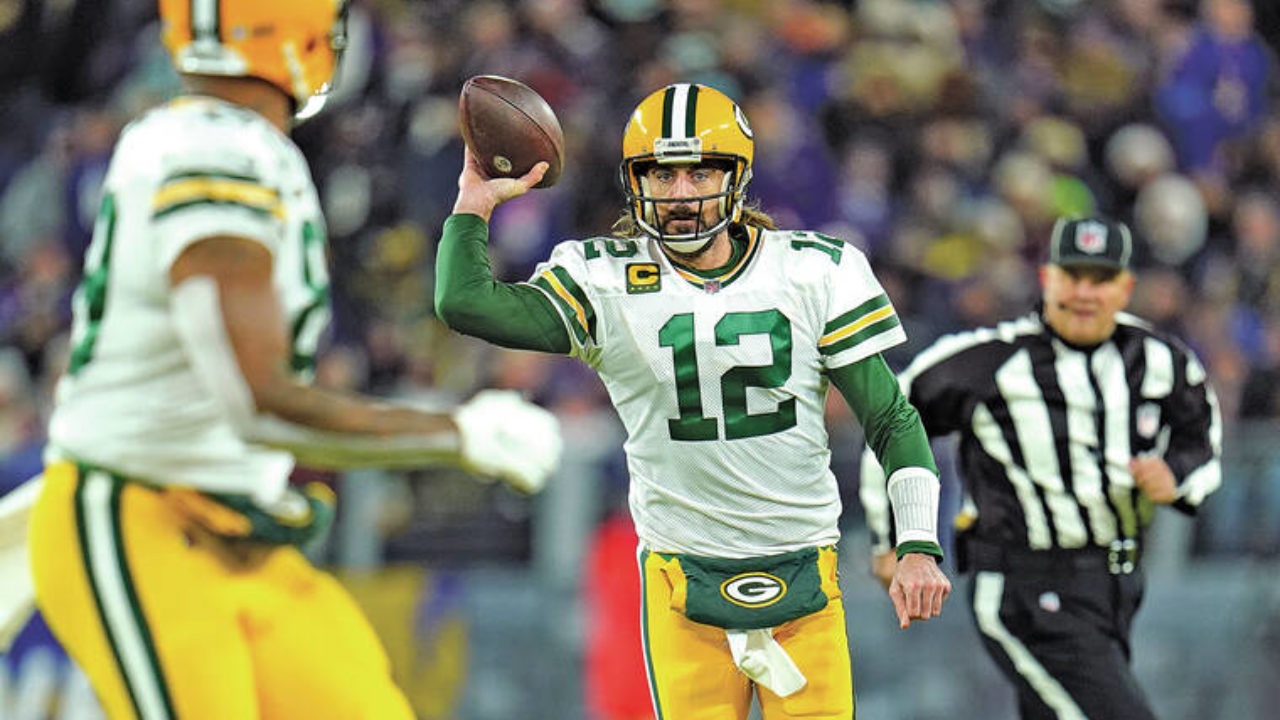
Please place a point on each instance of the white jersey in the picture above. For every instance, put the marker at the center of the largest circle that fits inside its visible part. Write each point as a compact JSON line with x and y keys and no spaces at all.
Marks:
{"x":720,"y":382}
{"x":131,"y":402}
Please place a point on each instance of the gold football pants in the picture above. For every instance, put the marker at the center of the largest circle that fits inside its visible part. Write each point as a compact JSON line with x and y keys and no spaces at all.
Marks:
{"x":170,"y":621}
{"x":691,"y":671}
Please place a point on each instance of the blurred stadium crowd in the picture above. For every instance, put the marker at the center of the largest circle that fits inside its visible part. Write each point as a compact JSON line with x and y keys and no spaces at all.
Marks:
{"x":943,"y":137}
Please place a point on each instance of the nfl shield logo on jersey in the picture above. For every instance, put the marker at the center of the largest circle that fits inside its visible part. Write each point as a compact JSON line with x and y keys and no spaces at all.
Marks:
{"x":1147,"y":419}
{"x":1050,"y":602}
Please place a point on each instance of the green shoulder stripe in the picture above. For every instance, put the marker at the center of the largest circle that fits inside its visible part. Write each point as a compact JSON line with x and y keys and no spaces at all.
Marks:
{"x":853,"y":316}
{"x":573,"y":302}
{"x":579,"y":295}
{"x":889,"y":322}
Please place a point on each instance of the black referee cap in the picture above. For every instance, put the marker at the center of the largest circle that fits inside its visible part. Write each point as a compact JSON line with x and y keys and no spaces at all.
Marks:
{"x":1090,"y":241}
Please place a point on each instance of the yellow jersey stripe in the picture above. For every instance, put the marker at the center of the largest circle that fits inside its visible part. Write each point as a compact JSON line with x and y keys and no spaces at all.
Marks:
{"x":837,"y":335}
{"x":567,"y":297}
{"x":216,"y":190}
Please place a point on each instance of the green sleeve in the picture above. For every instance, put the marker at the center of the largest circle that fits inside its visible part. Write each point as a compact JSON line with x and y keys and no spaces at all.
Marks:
{"x":892,"y":426}
{"x":471,"y":301}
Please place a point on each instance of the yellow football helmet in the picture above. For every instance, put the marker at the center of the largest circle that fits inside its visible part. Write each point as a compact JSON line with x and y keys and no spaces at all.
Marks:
{"x":686,"y":123}
{"x":292,"y":44}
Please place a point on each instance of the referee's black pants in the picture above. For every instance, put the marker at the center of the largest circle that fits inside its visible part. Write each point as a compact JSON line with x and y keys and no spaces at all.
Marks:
{"x":1062,"y":636}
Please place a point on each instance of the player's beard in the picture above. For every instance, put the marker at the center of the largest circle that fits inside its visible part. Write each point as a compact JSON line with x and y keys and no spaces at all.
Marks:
{"x":682,"y":213}
{"x":688,"y":258}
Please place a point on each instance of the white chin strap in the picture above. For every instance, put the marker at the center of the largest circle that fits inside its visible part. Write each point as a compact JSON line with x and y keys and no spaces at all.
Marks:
{"x":687,"y":247}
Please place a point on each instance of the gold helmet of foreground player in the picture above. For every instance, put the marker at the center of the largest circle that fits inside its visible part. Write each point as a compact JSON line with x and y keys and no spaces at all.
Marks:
{"x":686,"y":123}
{"x":292,"y":44}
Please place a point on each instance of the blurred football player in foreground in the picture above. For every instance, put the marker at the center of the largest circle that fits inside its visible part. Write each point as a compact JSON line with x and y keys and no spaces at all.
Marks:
{"x":164,"y":544}
{"x":716,"y":336}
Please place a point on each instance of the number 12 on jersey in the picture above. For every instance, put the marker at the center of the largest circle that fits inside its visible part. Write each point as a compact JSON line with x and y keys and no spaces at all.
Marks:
{"x":692,"y":424}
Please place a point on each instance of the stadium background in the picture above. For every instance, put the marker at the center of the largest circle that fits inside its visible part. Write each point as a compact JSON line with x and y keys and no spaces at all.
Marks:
{"x":942,"y":137}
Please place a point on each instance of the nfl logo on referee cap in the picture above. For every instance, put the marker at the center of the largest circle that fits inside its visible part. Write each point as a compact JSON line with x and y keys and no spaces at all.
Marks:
{"x":1090,"y":241}
{"x":1091,"y":237}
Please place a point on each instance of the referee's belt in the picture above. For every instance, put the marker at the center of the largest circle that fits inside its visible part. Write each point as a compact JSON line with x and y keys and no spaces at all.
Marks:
{"x":1119,"y":558}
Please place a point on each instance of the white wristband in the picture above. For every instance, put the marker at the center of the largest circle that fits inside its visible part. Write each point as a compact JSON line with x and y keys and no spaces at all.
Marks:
{"x":913,"y":493}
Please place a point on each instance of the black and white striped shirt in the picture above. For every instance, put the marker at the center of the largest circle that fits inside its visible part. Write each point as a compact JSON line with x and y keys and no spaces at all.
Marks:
{"x":1047,"y":430}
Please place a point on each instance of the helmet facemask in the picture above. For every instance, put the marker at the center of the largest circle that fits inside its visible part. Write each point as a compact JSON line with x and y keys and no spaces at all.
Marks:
{"x":643,"y":204}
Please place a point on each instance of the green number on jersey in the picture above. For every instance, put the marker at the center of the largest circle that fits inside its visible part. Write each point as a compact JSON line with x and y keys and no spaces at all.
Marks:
{"x":817,"y":241}
{"x":310,"y":321}
{"x":734,"y":383}
{"x":677,"y":334}
{"x":90,"y":300}
{"x":616,"y":247}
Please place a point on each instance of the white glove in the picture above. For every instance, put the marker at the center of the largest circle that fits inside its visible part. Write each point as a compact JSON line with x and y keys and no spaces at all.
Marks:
{"x":505,"y":437}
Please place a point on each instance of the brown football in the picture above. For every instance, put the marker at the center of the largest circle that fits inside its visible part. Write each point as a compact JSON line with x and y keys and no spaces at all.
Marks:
{"x":510,"y":128}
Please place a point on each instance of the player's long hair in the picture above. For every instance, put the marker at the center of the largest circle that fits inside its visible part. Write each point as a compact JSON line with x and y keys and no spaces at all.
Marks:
{"x":752,"y":215}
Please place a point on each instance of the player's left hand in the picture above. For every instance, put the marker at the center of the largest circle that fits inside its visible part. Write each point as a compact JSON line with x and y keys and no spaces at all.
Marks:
{"x":1153,"y":477}
{"x":918,"y":588}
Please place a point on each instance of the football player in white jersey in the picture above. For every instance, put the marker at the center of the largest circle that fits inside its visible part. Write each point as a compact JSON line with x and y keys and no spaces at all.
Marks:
{"x":164,"y":542}
{"x":717,"y":337}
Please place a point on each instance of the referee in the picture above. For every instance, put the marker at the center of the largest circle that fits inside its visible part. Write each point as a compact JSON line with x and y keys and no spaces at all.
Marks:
{"x":1075,"y":422}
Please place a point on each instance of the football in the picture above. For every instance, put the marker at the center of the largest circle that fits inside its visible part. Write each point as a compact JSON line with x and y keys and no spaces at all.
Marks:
{"x":510,"y":128}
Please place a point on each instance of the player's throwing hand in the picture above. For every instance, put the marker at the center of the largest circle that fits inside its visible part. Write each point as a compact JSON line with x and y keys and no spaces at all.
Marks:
{"x":480,"y":195}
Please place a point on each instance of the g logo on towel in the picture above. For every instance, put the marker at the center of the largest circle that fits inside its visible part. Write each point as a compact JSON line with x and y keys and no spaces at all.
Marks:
{"x":753,"y":589}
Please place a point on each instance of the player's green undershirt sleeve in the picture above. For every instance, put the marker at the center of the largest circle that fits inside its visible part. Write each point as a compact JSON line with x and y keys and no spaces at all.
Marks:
{"x":892,"y":426}
{"x":469,"y":299}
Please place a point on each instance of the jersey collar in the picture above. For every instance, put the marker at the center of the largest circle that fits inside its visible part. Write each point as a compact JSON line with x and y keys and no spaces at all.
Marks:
{"x":713,"y":280}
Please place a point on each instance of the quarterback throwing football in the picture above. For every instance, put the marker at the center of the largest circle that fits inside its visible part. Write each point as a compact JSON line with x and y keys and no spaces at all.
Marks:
{"x":717,"y":337}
